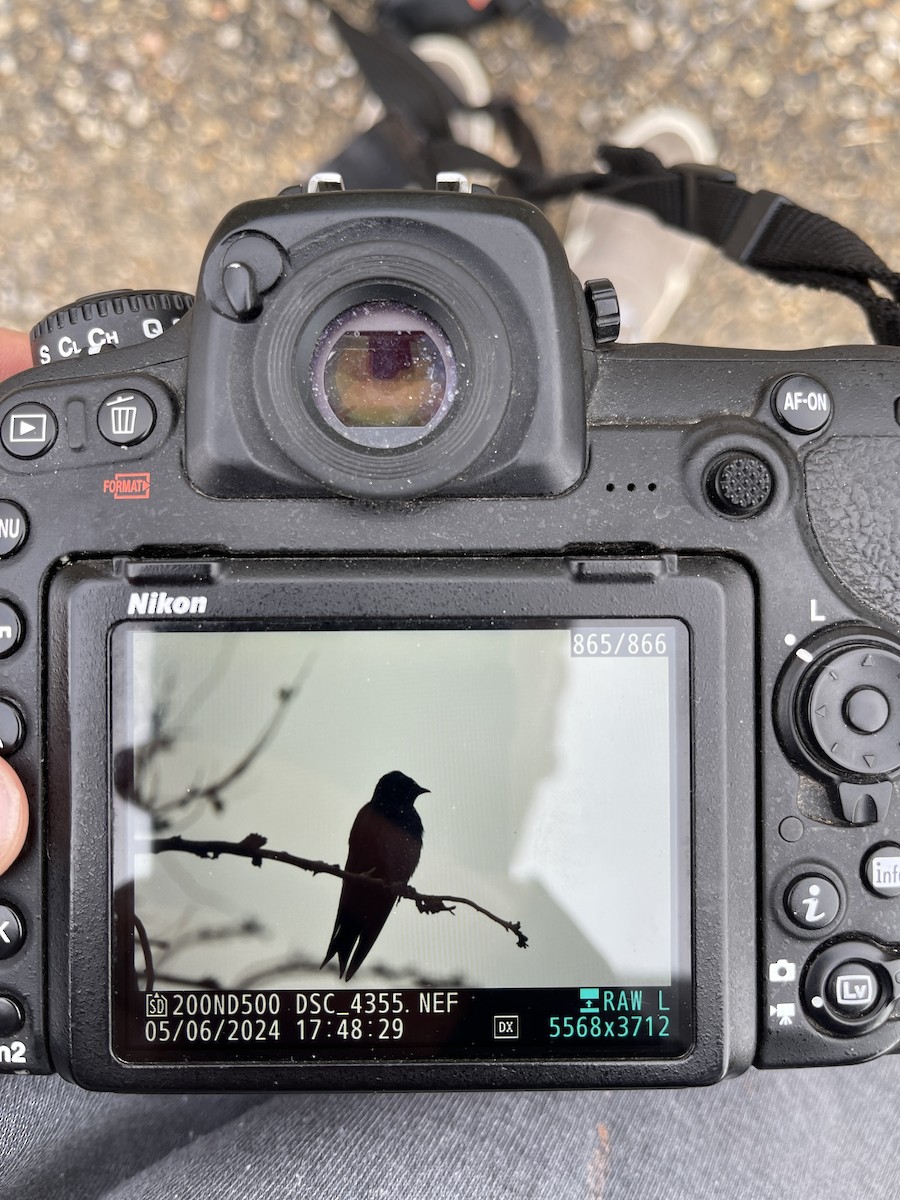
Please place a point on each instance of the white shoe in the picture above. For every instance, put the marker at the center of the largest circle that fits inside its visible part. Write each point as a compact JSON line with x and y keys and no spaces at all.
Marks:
{"x":459,"y":67}
{"x":650,"y":264}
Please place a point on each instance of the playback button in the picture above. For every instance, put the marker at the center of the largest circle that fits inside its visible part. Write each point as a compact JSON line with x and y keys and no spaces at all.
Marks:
{"x":28,"y":430}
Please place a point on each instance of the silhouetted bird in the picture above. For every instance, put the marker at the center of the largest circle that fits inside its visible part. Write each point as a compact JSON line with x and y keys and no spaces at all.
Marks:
{"x":385,"y":842}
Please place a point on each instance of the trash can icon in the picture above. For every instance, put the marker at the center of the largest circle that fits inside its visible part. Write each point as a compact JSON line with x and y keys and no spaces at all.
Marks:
{"x":123,"y":416}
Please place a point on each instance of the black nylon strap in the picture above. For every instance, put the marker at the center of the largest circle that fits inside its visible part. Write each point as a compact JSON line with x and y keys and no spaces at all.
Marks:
{"x":761,"y":230}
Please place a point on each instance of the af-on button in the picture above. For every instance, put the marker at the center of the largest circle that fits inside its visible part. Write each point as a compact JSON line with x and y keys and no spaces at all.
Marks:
{"x":802,"y":404}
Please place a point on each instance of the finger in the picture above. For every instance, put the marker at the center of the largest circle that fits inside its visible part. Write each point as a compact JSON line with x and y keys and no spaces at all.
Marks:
{"x":15,"y":353}
{"x":13,"y":816}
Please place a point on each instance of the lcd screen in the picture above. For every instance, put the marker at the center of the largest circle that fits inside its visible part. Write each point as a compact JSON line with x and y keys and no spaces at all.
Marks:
{"x":340,"y":843}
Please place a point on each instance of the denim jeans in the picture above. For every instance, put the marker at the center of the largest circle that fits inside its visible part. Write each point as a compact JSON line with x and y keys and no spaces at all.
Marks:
{"x":828,"y":1134}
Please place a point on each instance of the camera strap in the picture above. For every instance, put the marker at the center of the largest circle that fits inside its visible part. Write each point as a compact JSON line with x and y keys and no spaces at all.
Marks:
{"x":761,"y":230}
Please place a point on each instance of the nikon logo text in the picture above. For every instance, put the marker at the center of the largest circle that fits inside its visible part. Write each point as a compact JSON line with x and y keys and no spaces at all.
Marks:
{"x":161,"y":604}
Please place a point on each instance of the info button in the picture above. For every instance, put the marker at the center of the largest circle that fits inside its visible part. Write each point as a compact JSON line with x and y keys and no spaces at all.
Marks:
{"x":882,"y":868}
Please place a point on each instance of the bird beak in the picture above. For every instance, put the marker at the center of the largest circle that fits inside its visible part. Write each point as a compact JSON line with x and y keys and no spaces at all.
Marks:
{"x":424,"y":791}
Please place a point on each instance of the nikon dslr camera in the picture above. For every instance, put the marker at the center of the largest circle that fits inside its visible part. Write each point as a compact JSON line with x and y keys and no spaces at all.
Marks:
{"x":414,"y":689}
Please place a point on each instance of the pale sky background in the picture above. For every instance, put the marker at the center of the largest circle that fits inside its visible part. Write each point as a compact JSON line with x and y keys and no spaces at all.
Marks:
{"x":549,"y":803}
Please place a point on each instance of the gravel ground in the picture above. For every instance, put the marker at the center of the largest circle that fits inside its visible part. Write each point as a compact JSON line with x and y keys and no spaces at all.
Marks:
{"x":128,"y":130}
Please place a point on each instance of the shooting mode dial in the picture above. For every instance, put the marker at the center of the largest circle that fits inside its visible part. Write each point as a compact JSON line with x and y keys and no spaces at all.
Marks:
{"x":106,"y":321}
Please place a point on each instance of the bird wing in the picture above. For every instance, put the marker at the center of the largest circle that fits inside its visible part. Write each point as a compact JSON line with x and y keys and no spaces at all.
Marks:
{"x":381,"y":848}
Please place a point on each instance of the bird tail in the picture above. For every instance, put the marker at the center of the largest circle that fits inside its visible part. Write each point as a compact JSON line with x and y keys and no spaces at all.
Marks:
{"x":343,"y":939}
{"x":352,"y":940}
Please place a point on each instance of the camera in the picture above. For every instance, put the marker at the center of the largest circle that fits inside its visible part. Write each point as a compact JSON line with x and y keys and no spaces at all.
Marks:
{"x":416,"y":689}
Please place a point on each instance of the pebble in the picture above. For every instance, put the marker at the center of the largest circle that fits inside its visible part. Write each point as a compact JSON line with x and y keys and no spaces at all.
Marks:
{"x":641,"y":33}
{"x":756,"y":82}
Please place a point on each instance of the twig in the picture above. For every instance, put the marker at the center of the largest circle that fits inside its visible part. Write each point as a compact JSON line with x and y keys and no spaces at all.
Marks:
{"x":208,"y":981}
{"x":213,"y":791}
{"x":252,"y":847}
{"x":405,"y":976}
{"x":145,"y":950}
{"x":169,"y":949}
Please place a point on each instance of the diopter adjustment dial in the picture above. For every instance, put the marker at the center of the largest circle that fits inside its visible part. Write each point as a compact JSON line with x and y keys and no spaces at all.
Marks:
{"x":106,"y":321}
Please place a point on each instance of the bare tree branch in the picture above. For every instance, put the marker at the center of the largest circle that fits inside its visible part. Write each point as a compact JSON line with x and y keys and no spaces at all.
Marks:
{"x":212,"y":792}
{"x":252,"y":847}
{"x":402,"y":976}
{"x":207,"y":981}
{"x":145,"y":950}
{"x":171,"y":948}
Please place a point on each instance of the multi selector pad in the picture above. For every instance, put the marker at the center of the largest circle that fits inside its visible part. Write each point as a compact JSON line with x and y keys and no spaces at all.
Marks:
{"x":837,"y":713}
{"x":839,"y":716}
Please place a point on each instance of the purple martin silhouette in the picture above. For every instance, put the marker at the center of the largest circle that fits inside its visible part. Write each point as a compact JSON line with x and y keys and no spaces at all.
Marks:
{"x":385,"y":842}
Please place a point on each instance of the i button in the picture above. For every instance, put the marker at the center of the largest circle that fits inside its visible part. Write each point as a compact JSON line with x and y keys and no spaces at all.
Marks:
{"x":813,"y":902}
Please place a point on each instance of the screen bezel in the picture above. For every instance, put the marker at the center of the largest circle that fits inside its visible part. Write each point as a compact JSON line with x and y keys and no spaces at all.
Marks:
{"x":130,"y":1048}
{"x":714,"y":599}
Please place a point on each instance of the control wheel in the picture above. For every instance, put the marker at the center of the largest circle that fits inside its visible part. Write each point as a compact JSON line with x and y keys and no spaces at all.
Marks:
{"x":106,"y":321}
{"x":850,"y":987}
{"x":837,"y":712}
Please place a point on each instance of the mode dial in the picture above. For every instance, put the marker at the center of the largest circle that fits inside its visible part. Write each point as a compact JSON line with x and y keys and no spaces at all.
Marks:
{"x":109,"y":320}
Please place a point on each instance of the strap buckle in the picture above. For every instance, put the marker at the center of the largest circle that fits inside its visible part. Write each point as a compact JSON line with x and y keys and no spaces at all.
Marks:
{"x":691,"y":175}
{"x":753,"y":220}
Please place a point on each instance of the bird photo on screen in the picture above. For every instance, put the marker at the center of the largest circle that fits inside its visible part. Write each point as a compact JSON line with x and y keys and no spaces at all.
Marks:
{"x":385,"y":844}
